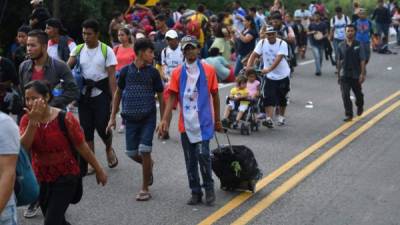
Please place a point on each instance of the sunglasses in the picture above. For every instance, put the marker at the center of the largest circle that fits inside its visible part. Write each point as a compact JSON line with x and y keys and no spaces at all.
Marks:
{"x":270,"y":34}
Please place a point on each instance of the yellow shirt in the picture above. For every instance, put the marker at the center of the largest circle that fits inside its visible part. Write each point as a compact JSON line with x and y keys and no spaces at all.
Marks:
{"x":243,"y":92}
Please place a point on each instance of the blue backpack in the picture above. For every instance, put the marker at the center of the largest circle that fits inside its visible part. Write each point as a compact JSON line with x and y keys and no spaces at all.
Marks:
{"x":26,"y":187}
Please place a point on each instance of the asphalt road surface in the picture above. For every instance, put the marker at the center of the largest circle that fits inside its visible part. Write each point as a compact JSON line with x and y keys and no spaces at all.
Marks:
{"x":350,"y":176}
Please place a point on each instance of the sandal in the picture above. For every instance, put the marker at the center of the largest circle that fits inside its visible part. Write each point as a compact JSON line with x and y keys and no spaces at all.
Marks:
{"x":114,"y":161}
{"x":143,"y":196}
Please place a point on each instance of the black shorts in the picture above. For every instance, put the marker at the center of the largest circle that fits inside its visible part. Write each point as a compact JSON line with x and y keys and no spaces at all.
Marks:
{"x":275,"y":92}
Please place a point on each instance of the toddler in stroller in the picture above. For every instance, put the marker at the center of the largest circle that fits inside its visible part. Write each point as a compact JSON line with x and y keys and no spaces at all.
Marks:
{"x":242,"y":104}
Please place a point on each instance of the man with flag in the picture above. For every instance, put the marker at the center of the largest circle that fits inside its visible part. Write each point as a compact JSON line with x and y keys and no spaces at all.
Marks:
{"x":195,"y":85}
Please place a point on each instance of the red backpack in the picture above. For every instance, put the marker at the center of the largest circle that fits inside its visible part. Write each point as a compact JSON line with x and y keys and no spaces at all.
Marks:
{"x":193,"y":28}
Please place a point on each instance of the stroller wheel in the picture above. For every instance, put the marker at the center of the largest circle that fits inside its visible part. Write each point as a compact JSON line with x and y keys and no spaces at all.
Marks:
{"x":243,"y":129}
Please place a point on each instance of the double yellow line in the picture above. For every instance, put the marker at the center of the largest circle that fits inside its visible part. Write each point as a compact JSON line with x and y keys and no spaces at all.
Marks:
{"x":302,"y":174}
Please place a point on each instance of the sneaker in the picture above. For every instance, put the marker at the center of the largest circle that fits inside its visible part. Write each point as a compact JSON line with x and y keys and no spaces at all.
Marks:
{"x":318,"y":74}
{"x":360,"y":111}
{"x":195,"y":199}
{"x":348,"y":119}
{"x":268,"y":123}
{"x":261,"y":116}
{"x":121,"y":129}
{"x":235,"y":125}
{"x":32,"y":210}
{"x":210,"y":197}
{"x":281,"y":120}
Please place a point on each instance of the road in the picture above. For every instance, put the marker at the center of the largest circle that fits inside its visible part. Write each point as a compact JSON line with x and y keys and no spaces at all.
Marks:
{"x":357,"y":184}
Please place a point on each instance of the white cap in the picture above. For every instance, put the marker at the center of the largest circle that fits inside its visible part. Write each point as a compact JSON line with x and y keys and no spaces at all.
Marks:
{"x":171,"y":34}
{"x":140,"y":35}
{"x":36,"y":1}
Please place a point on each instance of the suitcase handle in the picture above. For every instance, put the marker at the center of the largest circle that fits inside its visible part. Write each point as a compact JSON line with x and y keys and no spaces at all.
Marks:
{"x":227,"y":137}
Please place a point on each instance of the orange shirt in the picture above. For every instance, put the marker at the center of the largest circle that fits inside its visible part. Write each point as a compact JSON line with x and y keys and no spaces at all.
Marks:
{"x":212,"y":82}
{"x":125,"y":56}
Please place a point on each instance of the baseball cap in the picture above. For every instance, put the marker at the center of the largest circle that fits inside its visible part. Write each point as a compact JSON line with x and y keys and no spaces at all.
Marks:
{"x":171,"y":34}
{"x":189,"y":40}
{"x":270,"y":29}
{"x":36,"y":1}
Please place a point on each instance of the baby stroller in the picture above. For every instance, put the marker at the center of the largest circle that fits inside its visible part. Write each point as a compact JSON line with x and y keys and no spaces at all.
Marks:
{"x":249,"y":121}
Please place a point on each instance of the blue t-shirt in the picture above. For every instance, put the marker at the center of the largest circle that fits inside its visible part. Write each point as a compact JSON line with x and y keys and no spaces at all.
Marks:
{"x":139,"y":87}
{"x":364,"y":28}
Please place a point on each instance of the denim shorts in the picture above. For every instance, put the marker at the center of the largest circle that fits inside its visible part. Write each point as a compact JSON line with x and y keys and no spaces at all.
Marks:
{"x":139,"y":135}
{"x":9,"y":215}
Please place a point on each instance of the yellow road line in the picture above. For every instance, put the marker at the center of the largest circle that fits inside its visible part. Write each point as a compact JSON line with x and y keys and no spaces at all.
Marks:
{"x":241,"y":198}
{"x":309,"y":169}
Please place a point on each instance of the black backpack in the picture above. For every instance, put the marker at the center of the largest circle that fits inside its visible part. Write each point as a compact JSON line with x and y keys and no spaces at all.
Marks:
{"x":83,"y":165}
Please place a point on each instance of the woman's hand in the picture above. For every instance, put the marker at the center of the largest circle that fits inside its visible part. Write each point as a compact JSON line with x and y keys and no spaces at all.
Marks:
{"x":37,"y":111}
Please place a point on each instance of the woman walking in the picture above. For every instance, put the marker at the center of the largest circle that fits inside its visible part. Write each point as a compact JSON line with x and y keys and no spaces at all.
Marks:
{"x":53,"y":158}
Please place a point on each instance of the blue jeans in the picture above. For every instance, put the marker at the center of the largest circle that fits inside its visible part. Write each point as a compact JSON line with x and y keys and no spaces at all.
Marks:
{"x":238,"y":65}
{"x":336,"y":43}
{"x":382,"y":28}
{"x":9,"y":215}
{"x":139,"y":135}
{"x":318,"y":53}
{"x":195,"y":154}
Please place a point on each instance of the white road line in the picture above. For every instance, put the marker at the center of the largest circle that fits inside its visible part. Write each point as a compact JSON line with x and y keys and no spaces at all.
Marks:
{"x":222,"y":86}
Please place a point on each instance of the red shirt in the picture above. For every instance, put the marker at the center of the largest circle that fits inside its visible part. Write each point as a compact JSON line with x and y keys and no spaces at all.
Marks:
{"x":212,"y":82}
{"x":51,"y":153}
{"x":38,"y":74}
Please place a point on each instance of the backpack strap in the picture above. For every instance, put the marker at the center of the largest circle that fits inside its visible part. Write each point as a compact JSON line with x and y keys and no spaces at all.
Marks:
{"x":79,"y":49}
{"x":104,"y":50}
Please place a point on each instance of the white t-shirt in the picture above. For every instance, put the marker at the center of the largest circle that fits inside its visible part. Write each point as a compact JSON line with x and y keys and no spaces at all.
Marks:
{"x":302,"y":14}
{"x":339,"y":26}
{"x":52,"y":48}
{"x":171,"y":59}
{"x":9,"y":141}
{"x":269,"y":52}
{"x":93,"y":64}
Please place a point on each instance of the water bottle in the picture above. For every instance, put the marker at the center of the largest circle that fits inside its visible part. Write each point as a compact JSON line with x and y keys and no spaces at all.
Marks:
{"x":58,"y":89}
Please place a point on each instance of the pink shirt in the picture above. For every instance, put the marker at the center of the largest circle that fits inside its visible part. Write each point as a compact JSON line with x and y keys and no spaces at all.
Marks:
{"x":253,"y":88}
{"x":125,"y":56}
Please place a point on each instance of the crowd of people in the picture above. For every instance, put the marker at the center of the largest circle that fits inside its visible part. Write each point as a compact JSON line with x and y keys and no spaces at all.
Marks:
{"x":173,"y":58}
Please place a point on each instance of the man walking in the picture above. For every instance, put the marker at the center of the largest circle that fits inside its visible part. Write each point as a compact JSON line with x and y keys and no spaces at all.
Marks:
{"x":276,"y":74}
{"x":351,"y":72}
{"x":195,"y":85}
{"x":40,"y":66}
{"x":338,"y":29}
{"x":60,"y":45}
{"x":139,"y":82}
{"x":171,"y":57}
{"x":97,"y":62}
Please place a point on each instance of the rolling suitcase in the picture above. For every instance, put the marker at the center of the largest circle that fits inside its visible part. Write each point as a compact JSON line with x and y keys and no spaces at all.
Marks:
{"x":235,"y":166}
